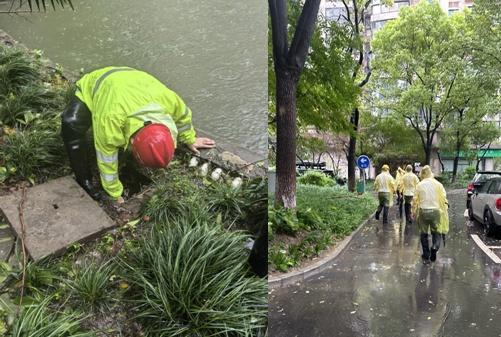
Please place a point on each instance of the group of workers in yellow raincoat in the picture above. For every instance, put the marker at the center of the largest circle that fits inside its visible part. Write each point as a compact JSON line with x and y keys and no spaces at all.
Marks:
{"x":425,"y":201}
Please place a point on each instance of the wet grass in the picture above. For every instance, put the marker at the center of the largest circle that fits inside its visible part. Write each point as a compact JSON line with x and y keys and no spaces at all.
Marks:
{"x":31,"y":100}
{"x":39,"y":320}
{"x":90,"y":285}
{"x":191,"y":278}
{"x":323,"y":215}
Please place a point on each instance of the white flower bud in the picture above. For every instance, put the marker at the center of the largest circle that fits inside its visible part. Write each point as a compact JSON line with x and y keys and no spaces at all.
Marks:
{"x":216,"y":174}
{"x":236,"y":183}
{"x":193,"y":162}
{"x":204,"y":169}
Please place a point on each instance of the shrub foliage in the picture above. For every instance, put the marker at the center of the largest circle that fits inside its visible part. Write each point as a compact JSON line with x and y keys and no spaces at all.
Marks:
{"x":192,"y":280}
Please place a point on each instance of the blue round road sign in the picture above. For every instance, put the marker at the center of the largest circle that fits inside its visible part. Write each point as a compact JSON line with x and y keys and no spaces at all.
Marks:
{"x":363,"y":162}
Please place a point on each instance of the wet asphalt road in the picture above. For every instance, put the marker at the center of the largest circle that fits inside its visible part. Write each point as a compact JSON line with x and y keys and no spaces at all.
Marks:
{"x":379,"y":287}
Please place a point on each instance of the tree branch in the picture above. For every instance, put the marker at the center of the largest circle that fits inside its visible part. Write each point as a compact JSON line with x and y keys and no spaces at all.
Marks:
{"x":278,"y":14}
{"x":366,"y":79}
{"x":304,"y":30}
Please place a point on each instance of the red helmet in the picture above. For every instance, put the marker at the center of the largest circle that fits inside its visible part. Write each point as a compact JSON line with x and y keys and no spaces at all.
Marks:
{"x":153,"y":146}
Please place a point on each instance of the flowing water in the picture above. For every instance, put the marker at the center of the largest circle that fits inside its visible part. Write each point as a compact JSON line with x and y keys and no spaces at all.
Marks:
{"x":212,"y":53}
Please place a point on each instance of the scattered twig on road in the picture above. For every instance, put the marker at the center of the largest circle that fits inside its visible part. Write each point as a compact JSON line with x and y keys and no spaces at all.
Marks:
{"x":444,"y":318}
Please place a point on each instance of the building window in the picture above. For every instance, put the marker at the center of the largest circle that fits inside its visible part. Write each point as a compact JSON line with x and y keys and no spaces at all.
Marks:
{"x":453,"y":4}
{"x":468,"y":2}
{"x":335,"y":14}
{"x":376,"y":25}
{"x":452,"y":11}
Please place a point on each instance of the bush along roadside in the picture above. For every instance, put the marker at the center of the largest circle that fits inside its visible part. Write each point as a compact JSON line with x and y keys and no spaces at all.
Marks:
{"x":323,"y":215}
{"x":179,"y":267}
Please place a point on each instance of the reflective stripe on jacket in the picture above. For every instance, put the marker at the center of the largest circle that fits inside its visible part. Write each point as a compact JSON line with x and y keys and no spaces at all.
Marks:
{"x":430,"y":194}
{"x":384,"y":183}
{"x":121,"y":100}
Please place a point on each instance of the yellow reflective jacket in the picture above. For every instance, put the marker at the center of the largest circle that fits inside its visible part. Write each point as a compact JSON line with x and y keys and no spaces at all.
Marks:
{"x":384,"y":183}
{"x":409,"y":183}
{"x":430,"y":194}
{"x":121,"y":100}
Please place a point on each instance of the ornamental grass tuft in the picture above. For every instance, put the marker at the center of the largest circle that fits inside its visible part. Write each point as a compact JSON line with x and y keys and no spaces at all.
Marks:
{"x":90,"y":287}
{"x":39,"y":320}
{"x":189,"y":279}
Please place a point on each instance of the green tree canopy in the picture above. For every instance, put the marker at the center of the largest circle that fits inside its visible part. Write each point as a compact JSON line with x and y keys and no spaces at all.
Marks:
{"x":425,"y":70}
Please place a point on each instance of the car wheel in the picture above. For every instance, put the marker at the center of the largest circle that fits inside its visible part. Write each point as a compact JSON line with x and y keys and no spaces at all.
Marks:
{"x":488,"y":223}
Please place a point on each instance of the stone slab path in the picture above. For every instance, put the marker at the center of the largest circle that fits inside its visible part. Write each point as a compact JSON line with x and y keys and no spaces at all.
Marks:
{"x":56,"y":215}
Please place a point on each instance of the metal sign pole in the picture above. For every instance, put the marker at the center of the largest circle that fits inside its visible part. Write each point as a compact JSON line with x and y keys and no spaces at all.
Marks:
{"x":364,"y":179}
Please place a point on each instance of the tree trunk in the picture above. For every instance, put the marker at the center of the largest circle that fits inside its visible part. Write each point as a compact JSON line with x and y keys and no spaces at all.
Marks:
{"x":441,"y":162}
{"x":285,"y":193}
{"x":351,"y":150}
{"x":427,"y":153}
{"x":456,"y":159}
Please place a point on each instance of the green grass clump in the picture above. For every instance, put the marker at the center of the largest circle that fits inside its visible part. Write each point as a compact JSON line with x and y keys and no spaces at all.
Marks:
{"x":190,"y":279}
{"x":340,"y":210}
{"x":17,"y":70}
{"x":90,"y":286}
{"x":315,"y":178}
{"x":322,"y":214}
{"x":32,"y":153}
{"x":31,"y":99}
{"x":174,"y":191}
{"x":39,"y":320}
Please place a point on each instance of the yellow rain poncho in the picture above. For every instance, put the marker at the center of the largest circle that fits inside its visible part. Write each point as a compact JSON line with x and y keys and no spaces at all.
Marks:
{"x":430,"y":194}
{"x":398,"y":179}
{"x":409,"y":183}
{"x":385,"y":183}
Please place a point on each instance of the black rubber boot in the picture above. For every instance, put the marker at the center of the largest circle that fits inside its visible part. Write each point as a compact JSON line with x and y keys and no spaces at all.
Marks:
{"x":379,"y":208}
{"x":408,"y":212}
{"x":258,"y":258}
{"x":425,"y":245}
{"x":385,"y":214}
{"x":433,"y":255}
{"x":77,"y":153}
{"x":76,"y":120}
{"x":435,"y":238}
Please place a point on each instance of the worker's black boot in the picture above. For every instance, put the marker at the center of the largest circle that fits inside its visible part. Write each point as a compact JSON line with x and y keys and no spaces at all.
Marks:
{"x":77,"y":153}
{"x":258,"y":258}
{"x":385,"y":214}
{"x":426,"y":248}
{"x":408,"y":212}
{"x":378,"y":211}
{"x":435,"y":245}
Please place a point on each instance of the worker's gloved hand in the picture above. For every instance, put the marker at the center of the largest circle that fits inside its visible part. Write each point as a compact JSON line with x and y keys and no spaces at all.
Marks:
{"x":201,"y":143}
{"x":91,"y":190}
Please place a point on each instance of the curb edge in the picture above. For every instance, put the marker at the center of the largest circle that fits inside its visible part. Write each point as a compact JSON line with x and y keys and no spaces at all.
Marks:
{"x":317,"y":267}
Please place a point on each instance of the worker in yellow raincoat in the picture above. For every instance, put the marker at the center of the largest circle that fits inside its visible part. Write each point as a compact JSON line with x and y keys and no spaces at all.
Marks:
{"x":127,"y":109}
{"x":385,"y":187}
{"x":398,"y":182}
{"x":429,"y":207}
{"x":409,"y":183}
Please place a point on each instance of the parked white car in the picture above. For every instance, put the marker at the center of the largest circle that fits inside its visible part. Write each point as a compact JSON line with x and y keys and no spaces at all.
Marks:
{"x":485,"y":205}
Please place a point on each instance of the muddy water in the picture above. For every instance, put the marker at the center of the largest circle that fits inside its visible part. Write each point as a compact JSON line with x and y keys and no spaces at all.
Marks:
{"x":213,"y":53}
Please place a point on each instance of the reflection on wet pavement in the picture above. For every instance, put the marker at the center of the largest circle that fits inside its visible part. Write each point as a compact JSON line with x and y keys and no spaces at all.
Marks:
{"x":379,"y":287}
